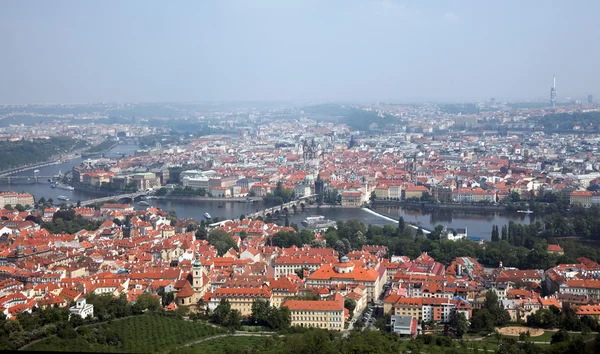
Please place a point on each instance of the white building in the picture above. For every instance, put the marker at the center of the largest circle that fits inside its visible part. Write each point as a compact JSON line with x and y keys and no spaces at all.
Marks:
{"x":395,"y":192}
{"x":302,"y":190}
{"x":196,"y":182}
{"x":82,"y":308}
{"x":456,"y":234}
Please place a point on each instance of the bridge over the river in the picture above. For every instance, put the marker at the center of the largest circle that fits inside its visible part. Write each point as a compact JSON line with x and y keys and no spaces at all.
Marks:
{"x":284,"y":208}
{"x":130,"y":196}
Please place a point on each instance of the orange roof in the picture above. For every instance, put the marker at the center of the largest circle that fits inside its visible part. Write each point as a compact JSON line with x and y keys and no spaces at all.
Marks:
{"x":588,"y":310}
{"x":337,"y":304}
{"x":555,"y":248}
{"x":581,"y":194}
{"x":327,"y":272}
{"x":186,"y":291}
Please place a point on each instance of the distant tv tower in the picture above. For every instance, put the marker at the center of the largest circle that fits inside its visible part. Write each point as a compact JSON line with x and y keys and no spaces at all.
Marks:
{"x":553,"y":94}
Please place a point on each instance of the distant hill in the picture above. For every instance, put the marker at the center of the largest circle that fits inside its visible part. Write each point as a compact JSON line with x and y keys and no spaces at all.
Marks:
{"x":23,"y":152}
{"x":588,"y":121}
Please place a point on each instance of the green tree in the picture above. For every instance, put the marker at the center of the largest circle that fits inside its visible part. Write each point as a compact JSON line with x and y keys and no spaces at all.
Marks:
{"x":280,"y":318}
{"x":561,"y":336}
{"x":260,"y":312}
{"x":201,"y":233}
{"x":233,"y":320}
{"x":401,"y":225}
{"x":76,"y":320}
{"x":221,"y":240}
{"x":350,"y":304}
{"x":459,"y":324}
{"x":147,"y":301}
{"x":220,"y":313}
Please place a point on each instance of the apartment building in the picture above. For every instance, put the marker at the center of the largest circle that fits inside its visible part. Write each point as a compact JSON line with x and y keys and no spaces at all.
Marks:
{"x":286,"y":265}
{"x":351,"y":199}
{"x":583,"y":198}
{"x":585,"y":287}
{"x":382,"y":191}
{"x":327,"y":314}
{"x":347,"y":272}
{"x":240,"y":299}
{"x":13,"y":199}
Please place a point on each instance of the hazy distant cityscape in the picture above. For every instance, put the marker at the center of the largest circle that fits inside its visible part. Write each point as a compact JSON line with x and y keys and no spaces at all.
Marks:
{"x":299,"y":177}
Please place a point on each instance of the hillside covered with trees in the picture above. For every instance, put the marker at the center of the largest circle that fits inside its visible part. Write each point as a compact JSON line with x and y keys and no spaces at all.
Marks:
{"x":24,"y":152}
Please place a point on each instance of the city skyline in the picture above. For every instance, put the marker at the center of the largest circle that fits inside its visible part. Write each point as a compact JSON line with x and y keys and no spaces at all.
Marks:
{"x":354,"y":51}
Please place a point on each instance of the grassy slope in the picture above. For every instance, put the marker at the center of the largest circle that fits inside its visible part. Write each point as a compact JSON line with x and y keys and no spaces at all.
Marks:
{"x":141,"y":334}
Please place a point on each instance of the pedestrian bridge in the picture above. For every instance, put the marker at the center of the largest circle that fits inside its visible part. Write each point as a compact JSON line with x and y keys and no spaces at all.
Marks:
{"x":285,"y":208}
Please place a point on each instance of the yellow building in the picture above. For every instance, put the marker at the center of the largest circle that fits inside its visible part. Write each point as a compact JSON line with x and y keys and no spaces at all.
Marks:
{"x":382,"y":191}
{"x":351,"y":199}
{"x":240,"y":299}
{"x":409,"y":307}
{"x":328,"y":314}
{"x":415,"y":192}
{"x":282,"y":289}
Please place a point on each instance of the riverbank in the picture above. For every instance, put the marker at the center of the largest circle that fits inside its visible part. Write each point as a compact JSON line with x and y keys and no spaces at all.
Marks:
{"x":453,"y":206}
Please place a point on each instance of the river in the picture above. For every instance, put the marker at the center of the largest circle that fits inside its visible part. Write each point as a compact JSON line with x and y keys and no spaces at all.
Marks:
{"x":479,"y":224}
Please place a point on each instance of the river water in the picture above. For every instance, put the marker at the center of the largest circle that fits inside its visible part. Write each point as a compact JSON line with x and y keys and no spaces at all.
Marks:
{"x":479,"y":224}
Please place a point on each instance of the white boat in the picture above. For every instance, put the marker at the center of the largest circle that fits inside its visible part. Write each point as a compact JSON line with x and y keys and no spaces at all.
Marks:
{"x":207,"y":215}
{"x":525,"y":211}
{"x":62,"y":197}
{"x":144,"y":203}
{"x":313,"y":219}
{"x":36,"y":171}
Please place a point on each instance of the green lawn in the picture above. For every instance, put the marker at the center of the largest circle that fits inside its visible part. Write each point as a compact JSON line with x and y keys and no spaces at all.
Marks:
{"x":147,"y":333}
{"x":229,"y":344}
{"x":546,"y":337}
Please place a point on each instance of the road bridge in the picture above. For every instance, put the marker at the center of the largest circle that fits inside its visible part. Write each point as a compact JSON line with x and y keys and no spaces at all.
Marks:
{"x":8,"y":179}
{"x":131,"y":196}
{"x":28,"y":167}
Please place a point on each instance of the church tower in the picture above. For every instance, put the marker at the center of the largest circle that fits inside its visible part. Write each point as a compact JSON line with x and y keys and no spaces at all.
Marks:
{"x":197,"y":276}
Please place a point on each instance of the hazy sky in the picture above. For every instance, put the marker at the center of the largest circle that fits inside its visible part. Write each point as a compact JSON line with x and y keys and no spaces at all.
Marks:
{"x":129,"y":51}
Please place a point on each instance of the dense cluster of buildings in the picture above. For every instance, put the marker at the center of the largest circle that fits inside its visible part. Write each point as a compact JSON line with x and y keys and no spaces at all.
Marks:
{"x":420,"y":159}
{"x":40,"y":269}
{"x":404,"y":161}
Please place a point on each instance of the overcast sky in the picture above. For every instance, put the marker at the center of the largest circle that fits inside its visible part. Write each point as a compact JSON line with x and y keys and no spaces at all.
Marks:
{"x":191,"y":51}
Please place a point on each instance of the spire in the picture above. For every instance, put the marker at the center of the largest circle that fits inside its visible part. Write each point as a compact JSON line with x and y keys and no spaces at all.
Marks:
{"x":197,"y":263}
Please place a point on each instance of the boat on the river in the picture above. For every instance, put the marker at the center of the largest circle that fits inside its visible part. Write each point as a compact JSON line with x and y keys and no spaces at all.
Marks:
{"x":53,"y":185}
{"x":525,"y":211}
{"x":36,"y":171}
{"x":207,"y":215}
{"x":144,"y":203}
{"x":62,"y":197}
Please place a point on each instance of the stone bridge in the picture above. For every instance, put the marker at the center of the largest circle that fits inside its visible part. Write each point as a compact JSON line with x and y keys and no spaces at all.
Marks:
{"x":130,"y":196}
{"x":285,"y":208}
